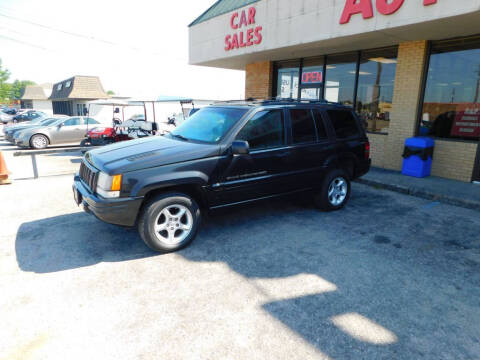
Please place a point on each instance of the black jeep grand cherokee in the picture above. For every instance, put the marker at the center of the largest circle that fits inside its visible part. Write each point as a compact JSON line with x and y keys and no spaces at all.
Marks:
{"x":223,"y":155}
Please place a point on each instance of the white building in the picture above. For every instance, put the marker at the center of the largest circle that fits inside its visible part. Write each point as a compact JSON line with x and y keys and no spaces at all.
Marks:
{"x":37,"y":97}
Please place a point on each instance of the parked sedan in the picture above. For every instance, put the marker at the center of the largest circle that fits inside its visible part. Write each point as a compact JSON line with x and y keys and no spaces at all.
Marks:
{"x":12,"y":131}
{"x":28,"y":116}
{"x":63,"y":131}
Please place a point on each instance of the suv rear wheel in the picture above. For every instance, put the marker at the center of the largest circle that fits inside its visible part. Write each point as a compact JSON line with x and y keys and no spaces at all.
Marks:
{"x":335,"y":191}
{"x":169,"y":222}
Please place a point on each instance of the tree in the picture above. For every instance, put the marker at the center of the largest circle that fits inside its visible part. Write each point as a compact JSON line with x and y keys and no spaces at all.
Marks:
{"x":110,"y":93}
{"x":4,"y":86}
{"x":17,"y":88}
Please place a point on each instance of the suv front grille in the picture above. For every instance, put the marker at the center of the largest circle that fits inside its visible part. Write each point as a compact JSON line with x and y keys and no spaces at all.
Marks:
{"x":89,"y":176}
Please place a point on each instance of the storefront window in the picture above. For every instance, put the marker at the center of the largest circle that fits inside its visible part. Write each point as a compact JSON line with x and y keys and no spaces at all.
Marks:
{"x":312,"y":78}
{"x":287,"y":80}
{"x":340,"y":78}
{"x":376,"y":80}
{"x":451,"y":107}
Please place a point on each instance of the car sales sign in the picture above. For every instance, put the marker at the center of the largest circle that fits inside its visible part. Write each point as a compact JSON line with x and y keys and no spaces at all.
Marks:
{"x":246,"y":32}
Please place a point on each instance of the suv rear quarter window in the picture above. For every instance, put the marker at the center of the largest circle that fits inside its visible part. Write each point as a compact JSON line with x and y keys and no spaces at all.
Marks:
{"x":344,"y":123}
{"x":303,"y":126}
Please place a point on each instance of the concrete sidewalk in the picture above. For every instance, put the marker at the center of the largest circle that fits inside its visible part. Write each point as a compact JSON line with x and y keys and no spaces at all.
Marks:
{"x":447,"y":191}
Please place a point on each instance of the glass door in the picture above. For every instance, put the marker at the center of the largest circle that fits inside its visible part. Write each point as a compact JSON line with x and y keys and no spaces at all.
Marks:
{"x":311,"y":85}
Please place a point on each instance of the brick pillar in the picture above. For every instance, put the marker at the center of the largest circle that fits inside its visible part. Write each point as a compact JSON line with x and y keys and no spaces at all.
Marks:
{"x":406,"y":97}
{"x":258,"y":80}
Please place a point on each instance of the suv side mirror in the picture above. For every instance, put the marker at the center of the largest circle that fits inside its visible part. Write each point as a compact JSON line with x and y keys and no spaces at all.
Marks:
{"x":240,"y":147}
{"x":59,"y":125}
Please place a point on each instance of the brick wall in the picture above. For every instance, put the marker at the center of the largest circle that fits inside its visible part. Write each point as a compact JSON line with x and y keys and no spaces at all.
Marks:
{"x":408,"y":83}
{"x":454,"y":160}
{"x":258,"y":80}
{"x":378,"y":149}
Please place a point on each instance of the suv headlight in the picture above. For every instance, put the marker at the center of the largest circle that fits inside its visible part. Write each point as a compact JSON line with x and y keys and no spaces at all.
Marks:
{"x":109,"y":186}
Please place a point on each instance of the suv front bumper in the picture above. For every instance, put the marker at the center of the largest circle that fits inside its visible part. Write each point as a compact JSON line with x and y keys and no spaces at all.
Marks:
{"x":121,"y":211}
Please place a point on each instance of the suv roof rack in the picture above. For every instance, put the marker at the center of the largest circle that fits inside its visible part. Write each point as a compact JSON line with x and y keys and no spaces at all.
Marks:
{"x":277,"y":101}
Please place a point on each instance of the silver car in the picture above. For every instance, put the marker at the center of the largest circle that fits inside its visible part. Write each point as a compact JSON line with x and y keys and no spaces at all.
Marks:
{"x":63,"y":131}
{"x":11,"y":132}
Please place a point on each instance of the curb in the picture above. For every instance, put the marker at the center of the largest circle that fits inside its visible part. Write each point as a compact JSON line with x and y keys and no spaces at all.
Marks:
{"x":421,"y":193}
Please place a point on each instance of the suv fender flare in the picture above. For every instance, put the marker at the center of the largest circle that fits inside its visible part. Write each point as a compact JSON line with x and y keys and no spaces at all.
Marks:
{"x":163,"y":181}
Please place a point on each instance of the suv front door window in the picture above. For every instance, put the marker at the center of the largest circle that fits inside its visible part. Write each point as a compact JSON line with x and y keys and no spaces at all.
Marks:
{"x":263,"y":171}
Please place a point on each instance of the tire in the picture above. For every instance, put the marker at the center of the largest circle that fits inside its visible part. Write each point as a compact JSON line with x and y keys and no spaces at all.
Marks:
{"x":85,"y":142}
{"x":327,"y":201}
{"x":39,"y":141}
{"x":158,"y":221}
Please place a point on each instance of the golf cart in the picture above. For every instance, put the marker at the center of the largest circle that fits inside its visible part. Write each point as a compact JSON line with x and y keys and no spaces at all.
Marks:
{"x":137,"y":126}
{"x":121,"y":130}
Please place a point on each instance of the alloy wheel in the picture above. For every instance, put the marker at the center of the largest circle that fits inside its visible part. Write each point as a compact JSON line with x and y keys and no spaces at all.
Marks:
{"x":173,"y":224}
{"x":337,"y":191}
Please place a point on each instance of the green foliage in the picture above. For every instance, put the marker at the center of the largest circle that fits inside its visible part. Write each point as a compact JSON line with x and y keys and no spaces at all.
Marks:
{"x":17,"y":88}
{"x":110,"y":93}
{"x":5,"y":88}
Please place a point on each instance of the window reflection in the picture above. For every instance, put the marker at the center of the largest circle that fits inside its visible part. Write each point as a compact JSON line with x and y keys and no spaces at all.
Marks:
{"x":287,"y":80}
{"x":451,"y":106}
{"x":375,"y":88}
{"x":340,"y":78}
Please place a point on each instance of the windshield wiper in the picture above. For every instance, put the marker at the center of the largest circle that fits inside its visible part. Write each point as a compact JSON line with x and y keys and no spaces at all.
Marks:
{"x":181,"y":137}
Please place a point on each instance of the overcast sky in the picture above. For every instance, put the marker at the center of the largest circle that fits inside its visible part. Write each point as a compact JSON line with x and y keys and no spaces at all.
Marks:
{"x":137,"y":48}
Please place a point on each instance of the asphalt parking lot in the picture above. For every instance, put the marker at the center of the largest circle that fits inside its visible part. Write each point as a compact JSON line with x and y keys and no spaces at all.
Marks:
{"x":388,"y":277}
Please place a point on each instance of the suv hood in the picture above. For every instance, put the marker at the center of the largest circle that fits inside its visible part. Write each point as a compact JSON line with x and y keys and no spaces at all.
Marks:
{"x":146,"y":153}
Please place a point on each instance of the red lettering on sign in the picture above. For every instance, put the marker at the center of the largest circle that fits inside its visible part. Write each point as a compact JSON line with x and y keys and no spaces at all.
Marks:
{"x":232,"y":21}
{"x":242,"y":43}
{"x":251,"y":15}
{"x":386,"y":8}
{"x":363,"y":7}
{"x":243,"y":19}
{"x":228,"y":45}
{"x":258,"y":34}
{"x":312,"y":77}
{"x":234,"y":41}
{"x":249,"y":37}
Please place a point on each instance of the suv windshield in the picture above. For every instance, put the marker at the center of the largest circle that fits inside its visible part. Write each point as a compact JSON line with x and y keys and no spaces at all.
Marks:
{"x":208,"y":124}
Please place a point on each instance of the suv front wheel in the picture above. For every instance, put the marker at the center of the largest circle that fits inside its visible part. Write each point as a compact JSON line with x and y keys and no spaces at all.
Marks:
{"x":169,"y":222}
{"x":334,"y":192}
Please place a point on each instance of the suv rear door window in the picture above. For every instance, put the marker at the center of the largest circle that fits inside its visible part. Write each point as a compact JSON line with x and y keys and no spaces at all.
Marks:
{"x":264,"y":130}
{"x":321,"y":131}
{"x":303,"y":126}
{"x":344,"y":123}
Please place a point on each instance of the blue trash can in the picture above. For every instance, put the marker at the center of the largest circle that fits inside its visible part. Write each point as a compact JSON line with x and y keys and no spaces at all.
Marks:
{"x":417,"y":156}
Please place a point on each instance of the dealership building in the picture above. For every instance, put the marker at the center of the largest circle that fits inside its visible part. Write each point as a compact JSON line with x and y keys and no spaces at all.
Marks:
{"x":408,"y":67}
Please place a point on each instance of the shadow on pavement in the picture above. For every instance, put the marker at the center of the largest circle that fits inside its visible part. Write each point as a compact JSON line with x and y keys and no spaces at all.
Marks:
{"x":354,"y":284}
{"x":75,"y":240}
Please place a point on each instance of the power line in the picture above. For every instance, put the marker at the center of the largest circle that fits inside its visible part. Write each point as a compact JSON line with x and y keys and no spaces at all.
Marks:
{"x":86,"y":37}
{"x":59,"y":30}
{"x":24,"y":42}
